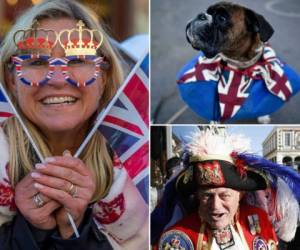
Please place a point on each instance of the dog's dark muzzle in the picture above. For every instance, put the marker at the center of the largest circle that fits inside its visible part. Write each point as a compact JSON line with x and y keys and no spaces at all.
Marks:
{"x":199,"y":24}
{"x":198,"y":28}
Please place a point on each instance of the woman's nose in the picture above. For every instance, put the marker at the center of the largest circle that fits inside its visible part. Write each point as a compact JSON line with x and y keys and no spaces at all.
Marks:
{"x":57,"y":78}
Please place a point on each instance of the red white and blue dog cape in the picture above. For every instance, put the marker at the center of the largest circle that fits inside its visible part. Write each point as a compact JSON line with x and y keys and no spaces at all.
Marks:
{"x":219,"y":91}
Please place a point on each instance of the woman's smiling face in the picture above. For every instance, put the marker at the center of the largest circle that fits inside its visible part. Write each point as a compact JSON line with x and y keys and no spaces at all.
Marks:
{"x":57,"y":106}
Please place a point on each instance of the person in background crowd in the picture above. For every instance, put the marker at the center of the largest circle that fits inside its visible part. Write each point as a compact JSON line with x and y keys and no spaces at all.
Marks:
{"x":173,"y":166}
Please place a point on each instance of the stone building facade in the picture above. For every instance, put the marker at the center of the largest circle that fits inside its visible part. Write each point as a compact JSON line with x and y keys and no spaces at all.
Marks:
{"x":282,"y":145}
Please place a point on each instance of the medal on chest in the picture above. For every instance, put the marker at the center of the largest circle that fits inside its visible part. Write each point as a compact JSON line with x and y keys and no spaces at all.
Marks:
{"x":175,"y":240}
{"x":259,"y":244}
{"x":254,"y":224}
{"x":224,"y":237}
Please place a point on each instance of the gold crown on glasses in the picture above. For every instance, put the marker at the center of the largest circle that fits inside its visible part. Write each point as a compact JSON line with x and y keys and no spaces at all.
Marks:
{"x":78,"y":44}
{"x":35,"y":38}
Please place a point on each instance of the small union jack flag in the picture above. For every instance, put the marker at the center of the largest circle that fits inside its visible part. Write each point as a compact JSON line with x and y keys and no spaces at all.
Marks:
{"x":126,"y":126}
{"x":5,"y":109}
{"x":228,"y":92}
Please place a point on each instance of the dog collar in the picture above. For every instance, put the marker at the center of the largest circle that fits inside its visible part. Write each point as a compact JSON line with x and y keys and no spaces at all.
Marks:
{"x":242,"y":65}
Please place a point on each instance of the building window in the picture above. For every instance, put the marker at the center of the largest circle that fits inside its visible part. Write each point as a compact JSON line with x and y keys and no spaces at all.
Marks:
{"x":287,"y":160}
{"x":287,"y":139}
{"x":297,"y":141}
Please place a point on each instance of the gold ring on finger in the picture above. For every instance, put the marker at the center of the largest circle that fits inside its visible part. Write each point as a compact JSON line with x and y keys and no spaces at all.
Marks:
{"x":72,"y":190}
{"x":74,"y":194}
{"x":37,"y":199}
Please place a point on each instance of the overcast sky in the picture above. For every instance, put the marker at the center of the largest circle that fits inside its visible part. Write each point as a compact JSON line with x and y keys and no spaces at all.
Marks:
{"x":257,"y":133}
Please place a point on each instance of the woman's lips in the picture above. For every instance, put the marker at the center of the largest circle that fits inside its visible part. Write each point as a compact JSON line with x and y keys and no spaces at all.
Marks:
{"x":58,"y":100}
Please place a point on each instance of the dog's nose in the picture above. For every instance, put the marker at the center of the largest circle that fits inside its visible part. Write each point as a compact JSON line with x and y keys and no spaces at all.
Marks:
{"x":202,"y":17}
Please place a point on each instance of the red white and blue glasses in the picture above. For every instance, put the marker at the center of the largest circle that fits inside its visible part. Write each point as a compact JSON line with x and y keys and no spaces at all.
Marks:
{"x":80,"y":67}
{"x":79,"y":71}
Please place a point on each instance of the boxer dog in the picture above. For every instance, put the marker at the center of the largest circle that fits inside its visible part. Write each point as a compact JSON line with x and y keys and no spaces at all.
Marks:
{"x":233,"y":31}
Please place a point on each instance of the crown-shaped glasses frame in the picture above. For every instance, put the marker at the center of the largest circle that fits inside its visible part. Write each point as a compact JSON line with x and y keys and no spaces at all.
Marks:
{"x":72,"y":47}
{"x":62,"y":62}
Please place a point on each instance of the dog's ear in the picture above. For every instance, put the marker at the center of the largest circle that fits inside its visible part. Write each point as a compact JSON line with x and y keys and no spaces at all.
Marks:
{"x":257,"y":23}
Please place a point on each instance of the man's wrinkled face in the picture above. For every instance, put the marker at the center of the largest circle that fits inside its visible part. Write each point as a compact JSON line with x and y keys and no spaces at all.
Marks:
{"x":218,"y":206}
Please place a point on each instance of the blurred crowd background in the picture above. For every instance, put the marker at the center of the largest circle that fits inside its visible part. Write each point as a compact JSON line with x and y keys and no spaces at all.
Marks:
{"x":123,"y":17}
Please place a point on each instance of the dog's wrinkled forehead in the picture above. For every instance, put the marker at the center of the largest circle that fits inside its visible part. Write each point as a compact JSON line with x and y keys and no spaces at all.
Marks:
{"x":230,"y":14}
{"x":226,"y":13}
{"x":224,"y":6}
{"x":219,"y":7}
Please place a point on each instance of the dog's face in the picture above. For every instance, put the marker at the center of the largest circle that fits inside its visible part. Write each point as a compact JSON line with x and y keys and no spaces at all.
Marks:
{"x":228,"y":28}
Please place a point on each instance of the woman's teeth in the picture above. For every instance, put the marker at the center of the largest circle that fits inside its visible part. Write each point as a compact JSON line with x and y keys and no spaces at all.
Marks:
{"x":59,"y":100}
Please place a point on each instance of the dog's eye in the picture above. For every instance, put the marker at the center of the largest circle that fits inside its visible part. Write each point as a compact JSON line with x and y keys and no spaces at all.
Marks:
{"x":202,"y":17}
{"x":221,"y":19}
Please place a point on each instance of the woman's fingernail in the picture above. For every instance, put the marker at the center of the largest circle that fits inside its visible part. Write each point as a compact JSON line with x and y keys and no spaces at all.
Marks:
{"x":67,"y":153}
{"x":35,"y":175}
{"x":38,"y":185}
{"x":40,"y":166}
{"x":50,"y":159}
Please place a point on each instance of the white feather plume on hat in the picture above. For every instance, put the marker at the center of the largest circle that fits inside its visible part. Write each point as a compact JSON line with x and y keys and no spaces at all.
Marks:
{"x":211,"y":144}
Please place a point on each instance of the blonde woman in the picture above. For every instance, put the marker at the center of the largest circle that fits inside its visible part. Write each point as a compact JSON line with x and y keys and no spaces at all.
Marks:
{"x":58,"y":90}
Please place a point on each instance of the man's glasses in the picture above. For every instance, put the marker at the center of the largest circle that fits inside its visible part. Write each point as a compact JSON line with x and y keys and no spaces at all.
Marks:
{"x":79,"y":71}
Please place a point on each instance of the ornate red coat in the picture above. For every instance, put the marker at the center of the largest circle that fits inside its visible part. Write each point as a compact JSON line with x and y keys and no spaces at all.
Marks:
{"x":191,"y":233}
{"x":122,"y":215}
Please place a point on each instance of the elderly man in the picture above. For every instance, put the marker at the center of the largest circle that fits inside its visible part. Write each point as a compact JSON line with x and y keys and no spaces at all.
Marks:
{"x":219,"y":181}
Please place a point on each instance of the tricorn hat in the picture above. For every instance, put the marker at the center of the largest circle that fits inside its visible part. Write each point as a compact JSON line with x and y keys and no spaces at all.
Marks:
{"x":213,"y":162}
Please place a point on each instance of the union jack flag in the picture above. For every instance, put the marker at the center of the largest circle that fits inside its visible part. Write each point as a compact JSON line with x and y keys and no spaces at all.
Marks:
{"x":233,"y":90}
{"x":5,"y":109}
{"x":126,"y":126}
{"x":233,"y":85}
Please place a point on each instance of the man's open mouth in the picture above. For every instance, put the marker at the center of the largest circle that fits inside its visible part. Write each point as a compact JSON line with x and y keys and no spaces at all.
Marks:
{"x":217,"y":216}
